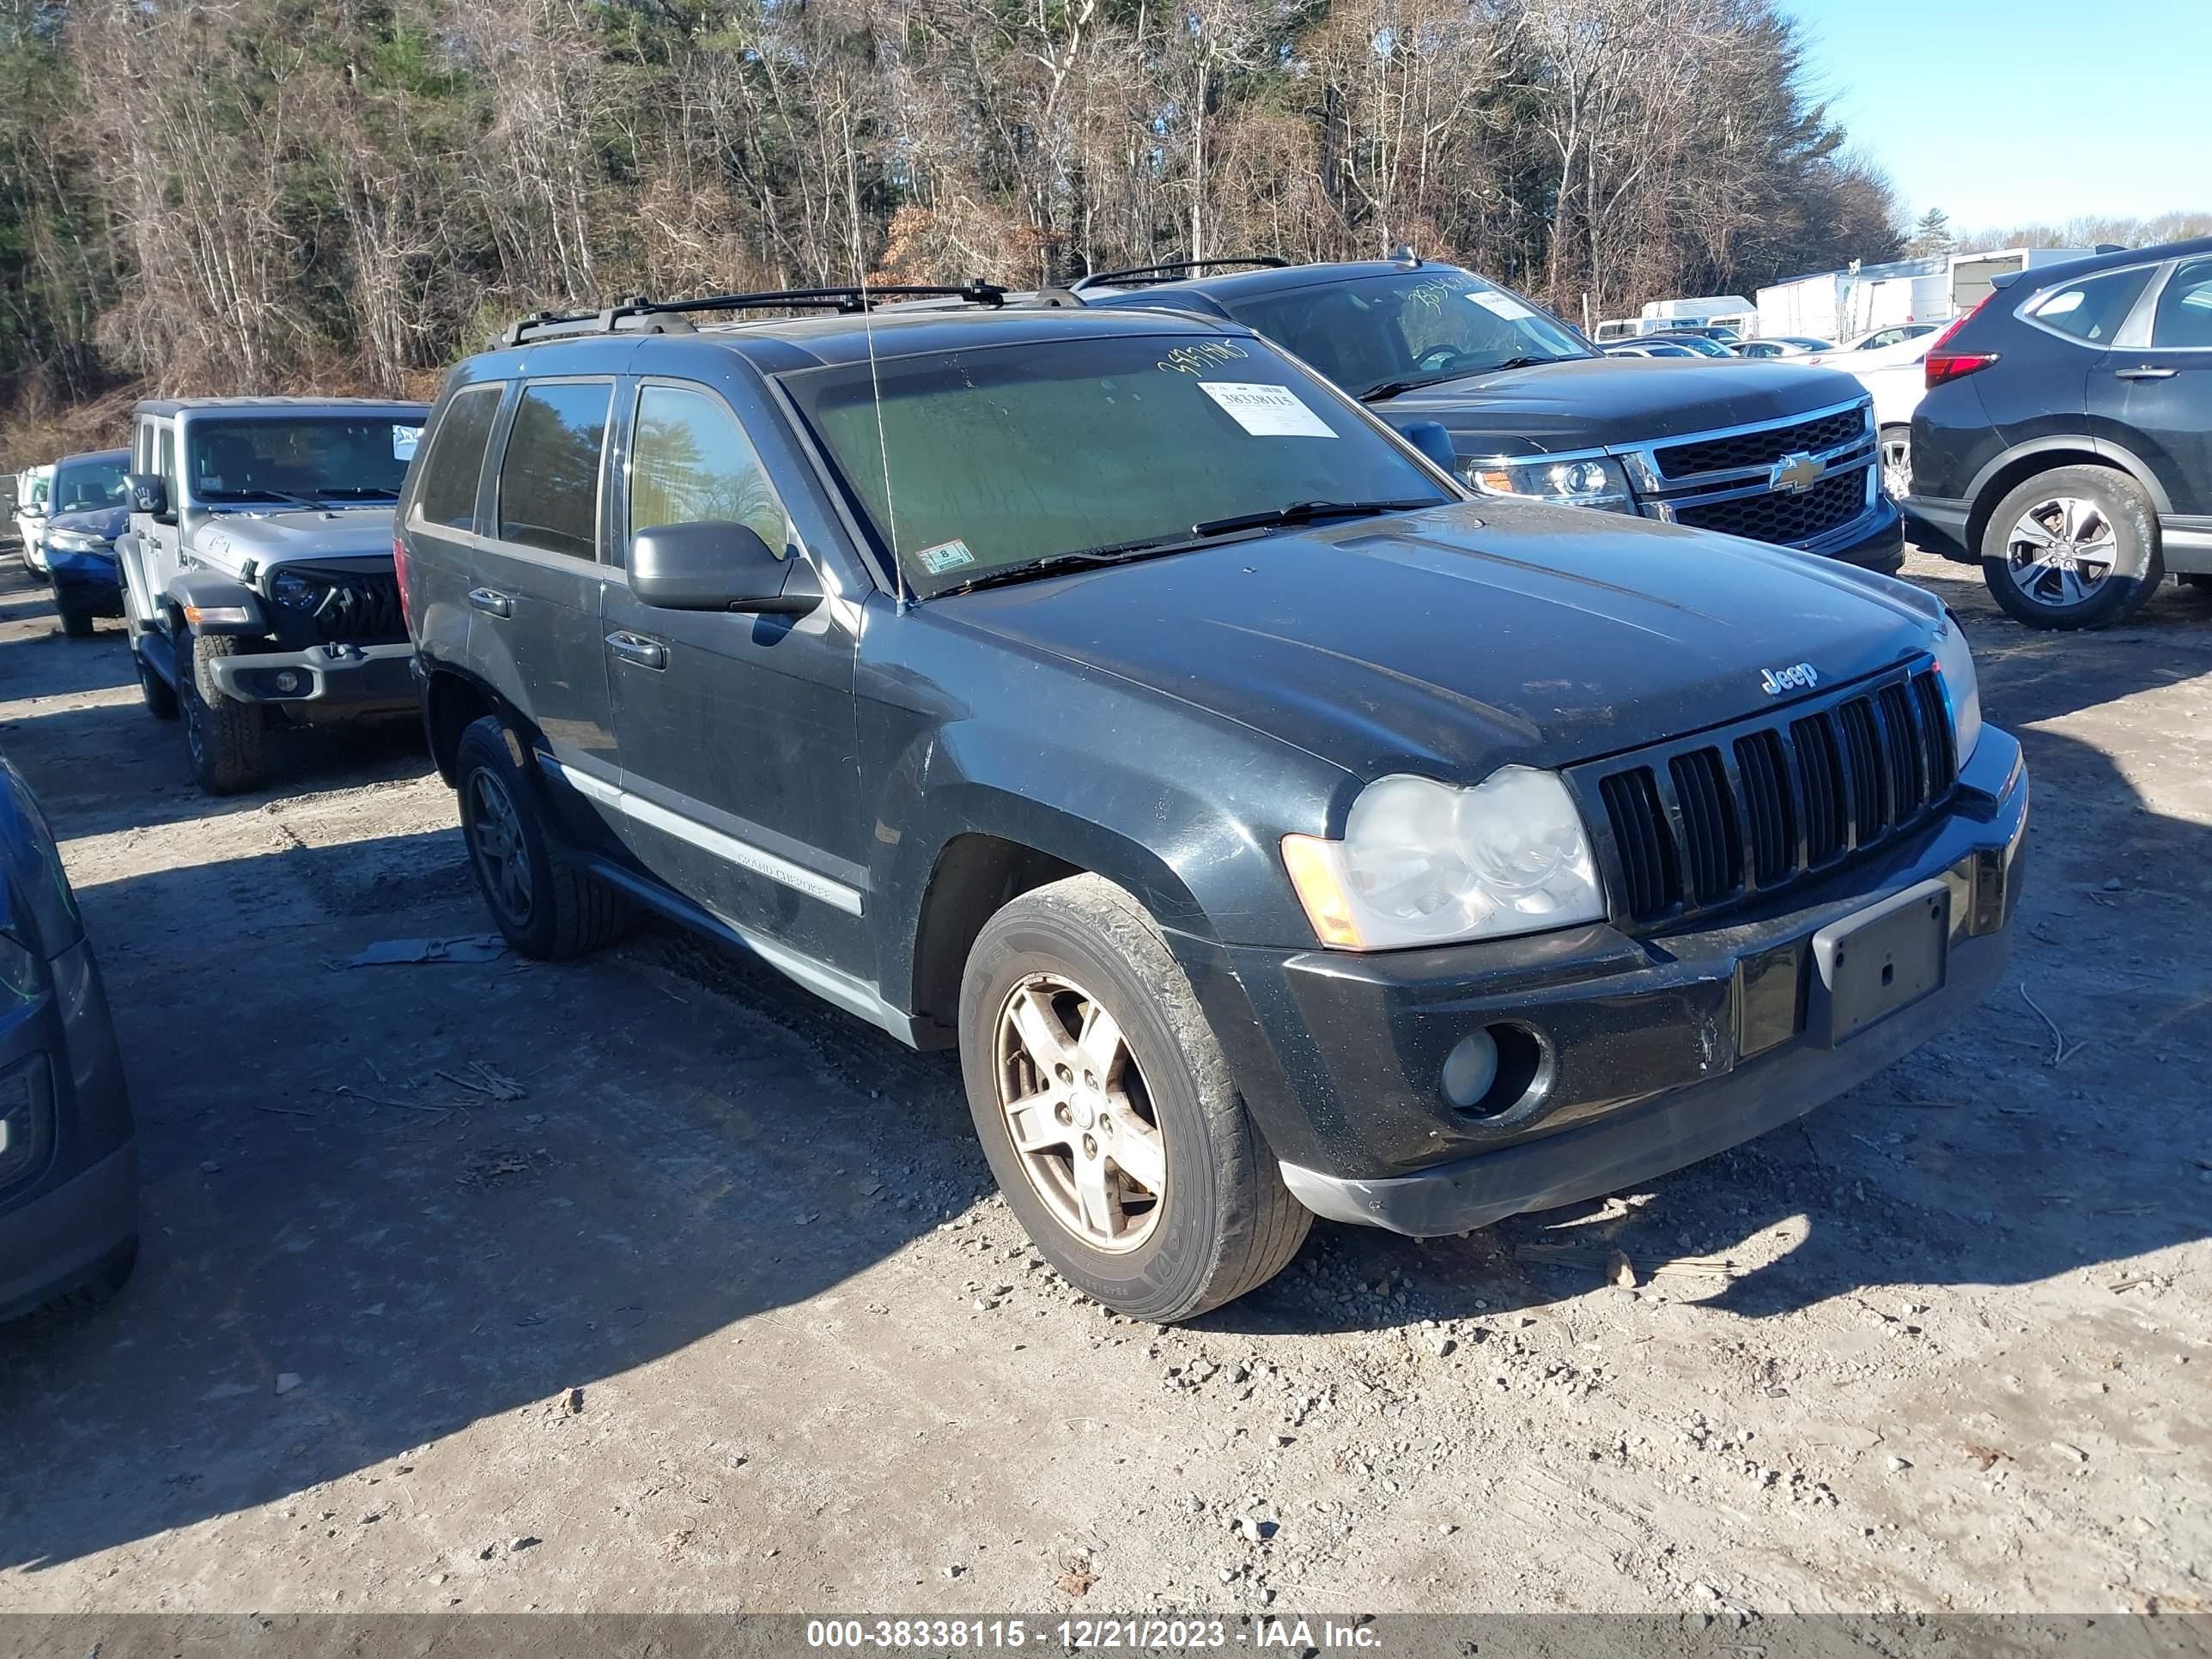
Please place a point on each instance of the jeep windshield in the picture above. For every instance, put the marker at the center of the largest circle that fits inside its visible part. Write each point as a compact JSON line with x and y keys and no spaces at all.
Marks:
{"x":313,"y":461}
{"x":1377,"y":336}
{"x":993,"y":465}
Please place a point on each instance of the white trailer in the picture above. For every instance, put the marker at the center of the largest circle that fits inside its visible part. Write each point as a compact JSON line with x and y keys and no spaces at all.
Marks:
{"x":1719,"y":310}
{"x":1809,"y":306}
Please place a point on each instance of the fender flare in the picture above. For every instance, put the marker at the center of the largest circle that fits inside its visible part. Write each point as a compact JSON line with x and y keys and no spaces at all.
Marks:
{"x":208,"y":590}
{"x":2117,"y":455}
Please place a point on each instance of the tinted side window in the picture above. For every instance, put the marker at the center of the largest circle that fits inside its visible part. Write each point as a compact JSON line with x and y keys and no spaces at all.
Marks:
{"x":449,"y":476}
{"x":548,"y":479}
{"x":2184,"y":310}
{"x":690,"y":461}
{"x":2092,"y":309}
{"x":165,"y":458}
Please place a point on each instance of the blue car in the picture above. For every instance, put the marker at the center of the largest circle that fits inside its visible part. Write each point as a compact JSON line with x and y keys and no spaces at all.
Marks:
{"x":89,"y":510}
{"x":69,"y":1153}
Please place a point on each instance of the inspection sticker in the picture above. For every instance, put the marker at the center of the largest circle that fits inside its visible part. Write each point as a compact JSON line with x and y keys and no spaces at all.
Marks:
{"x":1499,"y":305}
{"x":1265,"y":411}
{"x":945,"y":556}
{"x":403,"y":441}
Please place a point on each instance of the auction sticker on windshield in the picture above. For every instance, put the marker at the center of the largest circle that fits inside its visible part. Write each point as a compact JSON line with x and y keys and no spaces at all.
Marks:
{"x":403,"y":440}
{"x":1500,"y":304}
{"x":1265,"y":411}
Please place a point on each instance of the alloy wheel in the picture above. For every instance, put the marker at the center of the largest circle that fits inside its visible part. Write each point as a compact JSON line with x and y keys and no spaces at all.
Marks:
{"x":1080,"y":1117}
{"x":496,"y":839}
{"x":1897,"y":466}
{"x":2061,"y":550}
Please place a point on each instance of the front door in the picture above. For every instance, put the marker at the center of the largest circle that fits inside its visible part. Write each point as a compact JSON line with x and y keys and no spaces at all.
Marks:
{"x":740,"y":766}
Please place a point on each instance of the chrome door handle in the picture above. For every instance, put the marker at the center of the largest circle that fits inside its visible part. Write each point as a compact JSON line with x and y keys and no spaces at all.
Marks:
{"x":490,"y":600}
{"x":636,"y":647}
{"x":2145,"y":373}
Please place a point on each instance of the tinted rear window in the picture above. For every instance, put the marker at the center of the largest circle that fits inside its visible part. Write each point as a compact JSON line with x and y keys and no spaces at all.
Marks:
{"x":455,"y":465}
{"x":2092,"y":309}
{"x":2184,"y":310}
{"x":548,"y":479}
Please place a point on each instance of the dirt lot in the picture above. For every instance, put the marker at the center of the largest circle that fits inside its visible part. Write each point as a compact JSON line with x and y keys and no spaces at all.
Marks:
{"x":1945,"y":1345}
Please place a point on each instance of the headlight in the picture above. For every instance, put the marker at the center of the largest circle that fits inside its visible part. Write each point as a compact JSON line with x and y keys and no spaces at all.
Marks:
{"x":296,"y":592}
{"x":1954,"y":667}
{"x":1599,"y":483}
{"x":1422,"y":863}
{"x":77,"y":541}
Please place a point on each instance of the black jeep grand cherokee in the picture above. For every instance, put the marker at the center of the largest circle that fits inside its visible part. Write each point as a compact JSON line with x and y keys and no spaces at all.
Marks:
{"x":1275,"y":830}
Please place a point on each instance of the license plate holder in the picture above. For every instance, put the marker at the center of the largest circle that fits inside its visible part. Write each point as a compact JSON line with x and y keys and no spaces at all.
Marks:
{"x":1877,"y":961}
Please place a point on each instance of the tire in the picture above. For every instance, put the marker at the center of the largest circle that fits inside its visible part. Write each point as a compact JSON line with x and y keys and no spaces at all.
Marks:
{"x":545,"y":906}
{"x":159,"y":696}
{"x":101,"y":1287}
{"x":1219,"y":1222}
{"x":222,"y":736}
{"x":1896,"y":442}
{"x":2095,"y":512}
{"x":75,"y":624}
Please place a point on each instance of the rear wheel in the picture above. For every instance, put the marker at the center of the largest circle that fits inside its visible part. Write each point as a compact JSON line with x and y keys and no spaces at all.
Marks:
{"x":1108,"y":1113}
{"x":159,"y":696}
{"x":2075,"y":547}
{"x":545,"y":906}
{"x":222,"y":736}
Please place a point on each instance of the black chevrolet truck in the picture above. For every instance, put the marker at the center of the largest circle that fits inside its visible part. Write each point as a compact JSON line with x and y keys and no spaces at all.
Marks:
{"x":1776,"y":451}
{"x":1274,"y":829}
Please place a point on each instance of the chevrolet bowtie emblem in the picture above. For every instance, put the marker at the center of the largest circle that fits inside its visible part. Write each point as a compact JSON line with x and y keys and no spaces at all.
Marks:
{"x":1796,"y":472}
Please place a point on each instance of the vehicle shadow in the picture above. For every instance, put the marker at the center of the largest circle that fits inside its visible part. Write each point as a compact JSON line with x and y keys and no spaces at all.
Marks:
{"x":1975,"y":1160}
{"x":382,"y":1204}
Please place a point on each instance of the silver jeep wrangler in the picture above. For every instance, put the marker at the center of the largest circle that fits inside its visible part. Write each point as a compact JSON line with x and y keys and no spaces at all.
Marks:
{"x":257,"y":572}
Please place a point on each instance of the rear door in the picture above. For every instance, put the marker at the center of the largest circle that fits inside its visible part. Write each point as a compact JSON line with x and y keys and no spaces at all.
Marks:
{"x":740,"y":766}
{"x":533,"y":593}
{"x":2159,"y":394}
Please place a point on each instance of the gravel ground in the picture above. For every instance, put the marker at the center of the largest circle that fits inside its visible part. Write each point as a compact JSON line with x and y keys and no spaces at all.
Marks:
{"x":648,"y":1283}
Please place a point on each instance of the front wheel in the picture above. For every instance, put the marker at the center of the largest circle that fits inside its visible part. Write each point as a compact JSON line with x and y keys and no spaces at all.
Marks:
{"x":75,"y":624}
{"x":2075,"y":547}
{"x":222,"y":736}
{"x":1108,"y":1113}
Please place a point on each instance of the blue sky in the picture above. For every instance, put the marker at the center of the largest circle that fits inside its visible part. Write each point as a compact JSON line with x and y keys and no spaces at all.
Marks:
{"x":2001,"y":111}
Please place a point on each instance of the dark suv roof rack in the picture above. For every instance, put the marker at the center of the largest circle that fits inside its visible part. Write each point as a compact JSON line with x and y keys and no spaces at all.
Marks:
{"x":665,"y":316}
{"x":1141,"y":275}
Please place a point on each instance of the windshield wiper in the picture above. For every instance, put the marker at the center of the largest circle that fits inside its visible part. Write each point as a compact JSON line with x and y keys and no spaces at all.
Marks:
{"x":1399,"y":388}
{"x":350,"y":492}
{"x":1306,"y":513}
{"x":1081,"y":558}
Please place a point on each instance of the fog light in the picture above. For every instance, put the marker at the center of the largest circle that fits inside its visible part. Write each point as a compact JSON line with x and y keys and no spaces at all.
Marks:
{"x":289,"y":681}
{"x":1470,"y":1069}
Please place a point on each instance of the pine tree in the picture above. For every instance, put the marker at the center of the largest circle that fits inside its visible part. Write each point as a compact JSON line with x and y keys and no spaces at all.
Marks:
{"x":1932,"y":235}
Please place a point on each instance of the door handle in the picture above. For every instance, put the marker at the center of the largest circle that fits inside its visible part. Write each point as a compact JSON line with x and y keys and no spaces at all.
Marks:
{"x":2145,"y":373}
{"x":636,"y":647}
{"x":492,"y":601}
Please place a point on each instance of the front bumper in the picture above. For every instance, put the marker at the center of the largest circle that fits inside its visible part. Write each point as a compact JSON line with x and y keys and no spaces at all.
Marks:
{"x":1940,"y":525}
{"x":1655,"y":1051}
{"x":360,"y":679}
{"x":86,"y":582}
{"x":1876,"y":543}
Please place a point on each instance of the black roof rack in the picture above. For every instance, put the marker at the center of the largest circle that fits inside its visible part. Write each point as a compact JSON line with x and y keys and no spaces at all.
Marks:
{"x":667,"y":316}
{"x":1141,"y":275}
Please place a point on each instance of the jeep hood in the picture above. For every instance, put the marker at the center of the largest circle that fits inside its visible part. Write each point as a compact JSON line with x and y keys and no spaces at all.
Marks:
{"x":267,"y":538}
{"x":1608,"y":402}
{"x":1465,"y":637}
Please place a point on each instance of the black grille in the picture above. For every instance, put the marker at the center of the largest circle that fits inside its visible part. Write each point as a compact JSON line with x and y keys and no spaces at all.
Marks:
{"x":357,"y":607}
{"x":1763,"y":447}
{"x":1795,"y":516}
{"x":1691,"y":833}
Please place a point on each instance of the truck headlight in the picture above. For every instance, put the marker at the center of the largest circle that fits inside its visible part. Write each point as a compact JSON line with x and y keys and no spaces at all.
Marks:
{"x":296,"y":592}
{"x":1962,"y":692}
{"x":1423,"y":863}
{"x":1599,"y":482}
